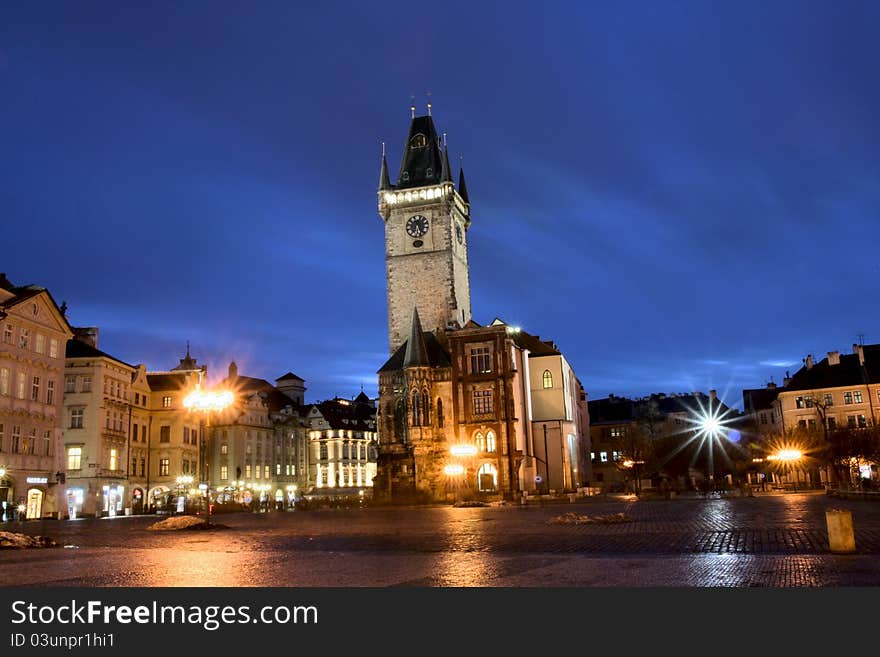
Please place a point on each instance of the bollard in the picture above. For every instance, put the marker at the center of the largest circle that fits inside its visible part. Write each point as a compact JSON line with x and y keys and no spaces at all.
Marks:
{"x":841,"y":539}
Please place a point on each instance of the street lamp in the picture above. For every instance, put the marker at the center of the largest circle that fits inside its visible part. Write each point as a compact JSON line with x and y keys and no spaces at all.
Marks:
{"x":789,"y":457}
{"x":455,"y":472}
{"x":630,"y":463}
{"x":205,"y":402}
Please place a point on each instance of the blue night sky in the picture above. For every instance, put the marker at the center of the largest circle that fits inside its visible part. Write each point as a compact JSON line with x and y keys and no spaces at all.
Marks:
{"x":682,"y":195}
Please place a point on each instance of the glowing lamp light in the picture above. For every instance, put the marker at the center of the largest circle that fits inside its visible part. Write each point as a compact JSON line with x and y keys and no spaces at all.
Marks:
{"x":2,"y":472}
{"x":628,"y":463}
{"x":786,"y":455}
{"x":463,"y":450}
{"x":453,"y":470}
{"x":208,"y":400}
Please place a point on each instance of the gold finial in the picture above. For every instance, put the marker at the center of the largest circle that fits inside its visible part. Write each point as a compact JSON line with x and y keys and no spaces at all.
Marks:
{"x":412,"y":106}
{"x":383,"y":149}
{"x":428,"y":94}
{"x":444,"y":140}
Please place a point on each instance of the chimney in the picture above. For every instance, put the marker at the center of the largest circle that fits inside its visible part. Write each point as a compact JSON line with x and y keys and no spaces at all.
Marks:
{"x":771,"y":385}
{"x":786,"y":380}
{"x":233,"y":370}
{"x":86,"y":334}
{"x":834,"y":358}
{"x":808,"y":361}
{"x":860,"y":351}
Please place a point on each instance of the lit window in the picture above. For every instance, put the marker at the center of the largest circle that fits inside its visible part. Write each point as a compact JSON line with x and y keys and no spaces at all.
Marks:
{"x":114,"y":458}
{"x":487,"y":477}
{"x":615,"y":455}
{"x":224,"y":448}
{"x":548,"y":379}
{"x":70,"y":384}
{"x":828,"y":399}
{"x":490,"y":441}
{"x":618,"y":432}
{"x":277,"y":468}
{"x":87,"y":383}
{"x":857,"y":397}
{"x":40,"y":343}
{"x":23,"y":337}
{"x":799,"y":402}
{"x":418,"y":141}
{"x":50,"y":392}
{"x":4,"y":380}
{"x":53,"y":348}
{"x":7,"y":334}
{"x":480,"y":361}
{"x":603,"y":456}
{"x":35,"y":389}
{"x":164,"y":467}
{"x":76,"y":418}
{"x":847,"y":397}
{"x":266,"y":472}
{"x":74,"y":458}
{"x":166,"y":402}
{"x":863,"y":421}
{"x":20,"y":384}
{"x":16,"y":437}
{"x":247,"y":470}
{"x":224,"y":473}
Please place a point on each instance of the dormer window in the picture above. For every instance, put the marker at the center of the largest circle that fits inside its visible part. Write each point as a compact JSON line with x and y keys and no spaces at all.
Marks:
{"x":429,"y":172}
{"x":418,"y":141}
{"x":405,"y":176}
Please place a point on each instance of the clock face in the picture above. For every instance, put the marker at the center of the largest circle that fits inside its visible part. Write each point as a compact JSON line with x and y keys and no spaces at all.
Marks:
{"x":417,"y":226}
{"x":458,"y":233}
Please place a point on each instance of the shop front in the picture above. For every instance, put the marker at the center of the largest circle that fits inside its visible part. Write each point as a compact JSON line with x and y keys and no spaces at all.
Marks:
{"x":113,"y":497}
{"x":75,"y":499}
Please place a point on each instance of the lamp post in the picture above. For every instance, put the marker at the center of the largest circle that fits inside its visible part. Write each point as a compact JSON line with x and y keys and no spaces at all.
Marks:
{"x":629,"y":463}
{"x":205,"y":402}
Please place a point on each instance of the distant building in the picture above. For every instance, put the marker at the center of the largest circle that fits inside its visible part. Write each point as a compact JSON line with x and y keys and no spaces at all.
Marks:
{"x":33,"y":334}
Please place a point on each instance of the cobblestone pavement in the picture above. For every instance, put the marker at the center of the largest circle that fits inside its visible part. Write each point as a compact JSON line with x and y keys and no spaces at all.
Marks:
{"x":774,"y":540}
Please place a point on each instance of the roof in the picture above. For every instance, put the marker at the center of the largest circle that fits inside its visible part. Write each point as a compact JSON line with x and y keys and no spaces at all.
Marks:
{"x":79,"y":349}
{"x":622,"y":409}
{"x":757,"y":399}
{"x":363,"y":399}
{"x":360,"y":416}
{"x":23,"y":293}
{"x":422,"y":160}
{"x":290,"y":376}
{"x":437,"y":355}
{"x":535,"y":345}
{"x":848,"y":373}
{"x":610,"y":410}
{"x":416,"y":354}
{"x":166,"y":381}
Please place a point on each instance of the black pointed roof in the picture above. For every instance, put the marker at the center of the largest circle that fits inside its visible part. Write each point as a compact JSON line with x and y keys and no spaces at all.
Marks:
{"x":446,"y":173}
{"x":290,"y":376}
{"x":416,"y":352}
{"x":462,"y":187}
{"x":384,"y":181}
{"x":422,"y":161}
{"x":437,"y":354}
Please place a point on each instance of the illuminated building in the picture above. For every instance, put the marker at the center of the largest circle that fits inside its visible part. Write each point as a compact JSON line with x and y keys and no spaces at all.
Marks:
{"x":33,"y":333}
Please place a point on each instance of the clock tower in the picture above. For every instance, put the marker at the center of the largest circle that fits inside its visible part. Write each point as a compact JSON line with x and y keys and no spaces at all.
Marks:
{"x":426,"y":223}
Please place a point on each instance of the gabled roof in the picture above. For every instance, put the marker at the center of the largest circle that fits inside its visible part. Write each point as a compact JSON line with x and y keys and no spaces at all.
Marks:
{"x":290,"y":376}
{"x":848,"y":373}
{"x":22,"y":293}
{"x":79,"y":349}
{"x":422,"y":160}
{"x":437,"y":355}
{"x":416,"y":354}
{"x":166,"y":381}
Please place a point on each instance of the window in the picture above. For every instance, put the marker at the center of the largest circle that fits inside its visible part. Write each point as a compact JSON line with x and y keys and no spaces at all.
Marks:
{"x":224,"y":448}
{"x":799,"y":402}
{"x":114,"y":458}
{"x":416,"y":409}
{"x":70,"y":384}
{"x":20,"y":385}
{"x":863,"y":421}
{"x":87,"y":383}
{"x":847,"y":397}
{"x":29,"y":443}
{"x":7,"y":334}
{"x":134,"y":433}
{"x":426,"y":410}
{"x":548,"y":379}
{"x":16,"y":437}
{"x":440,"y":411}
{"x":802,"y":424}
{"x":277,"y":468}
{"x":4,"y":380}
{"x":287,"y":469}
{"x":828,"y":398}
{"x":248,"y":449}
{"x":224,"y":473}
{"x":137,"y":398}
{"x":851,"y":421}
{"x":184,"y":466}
{"x":615,"y":455}
{"x":809,"y":402}
{"x":487,"y":477}
{"x":40,"y":343}
{"x":35,"y":389}
{"x":1,"y":436}
{"x":166,"y":402}
{"x":482,"y":402}
{"x":195,"y":437}
{"x":165,"y":434}
{"x":53,"y":348}
{"x":763,"y":418}
{"x":490,"y":441}
{"x":247,"y":470}
{"x":480,"y":362}
{"x":74,"y":458}
{"x":618,"y":432}
{"x":832,"y":424}
{"x":418,"y":141}
{"x":164,"y":467}
{"x":44,"y":448}
{"x":593,"y":456}
{"x":76,"y":418}
{"x":811,"y":423}
{"x":143,"y":466}
{"x":23,"y":337}
{"x":50,"y":392}
{"x":603,"y":457}
{"x":266,"y":471}
{"x":186,"y":435}
{"x":857,"y":396}
{"x":323,"y":456}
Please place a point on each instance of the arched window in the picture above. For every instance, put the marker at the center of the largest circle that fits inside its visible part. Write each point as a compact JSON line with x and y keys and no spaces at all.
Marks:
{"x":487,"y":477}
{"x":400,"y":422}
{"x":416,"y":410}
{"x":480,"y":440}
{"x":418,"y":141}
{"x":426,"y":409}
{"x":548,"y":379}
{"x":439,"y":412}
{"x":490,"y":441}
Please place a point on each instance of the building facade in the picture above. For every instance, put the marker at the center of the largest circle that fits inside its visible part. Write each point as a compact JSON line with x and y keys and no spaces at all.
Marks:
{"x":33,"y":334}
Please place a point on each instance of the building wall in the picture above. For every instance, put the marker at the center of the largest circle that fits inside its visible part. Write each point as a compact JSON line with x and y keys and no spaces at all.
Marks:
{"x":792,"y":409}
{"x":20,"y":415}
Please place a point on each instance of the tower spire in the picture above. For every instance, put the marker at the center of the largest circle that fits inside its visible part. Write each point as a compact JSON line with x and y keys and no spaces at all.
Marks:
{"x":446,"y":170}
{"x":416,"y":352}
{"x":384,"y":182}
{"x":462,"y":186}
